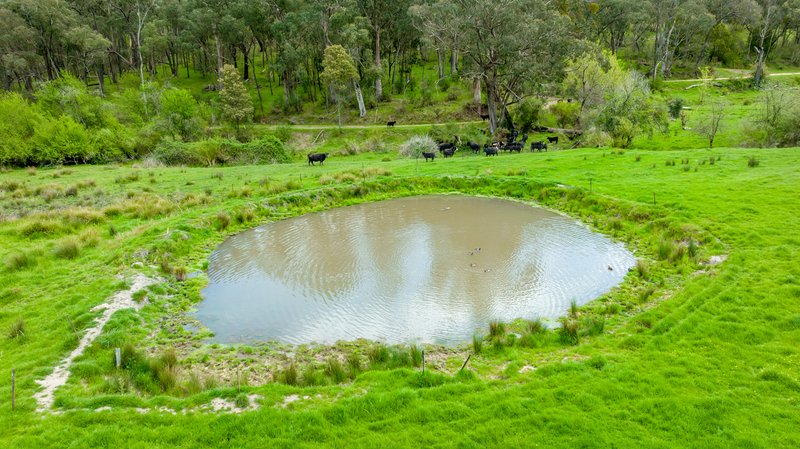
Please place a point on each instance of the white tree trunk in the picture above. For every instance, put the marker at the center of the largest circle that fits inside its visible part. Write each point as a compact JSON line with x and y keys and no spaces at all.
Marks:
{"x":362,"y":110}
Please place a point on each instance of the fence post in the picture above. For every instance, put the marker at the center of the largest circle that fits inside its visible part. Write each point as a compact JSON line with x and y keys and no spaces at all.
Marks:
{"x":118,"y":357}
{"x":423,"y":360}
{"x":13,"y":388}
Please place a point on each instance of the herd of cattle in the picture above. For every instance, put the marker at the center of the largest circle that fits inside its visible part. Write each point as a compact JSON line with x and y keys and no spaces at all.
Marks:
{"x":448,"y":149}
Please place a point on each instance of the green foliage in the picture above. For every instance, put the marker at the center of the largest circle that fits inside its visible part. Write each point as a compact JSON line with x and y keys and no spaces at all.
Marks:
{"x":496,"y":329}
{"x":566,"y":114}
{"x":528,"y":113}
{"x":178,"y":114}
{"x":338,"y":67}
{"x":265,"y":150}
{"x":675,"y":107}
{"x":19,"y":121}
{"x":477,"y":343}
{"x":236,"y":104}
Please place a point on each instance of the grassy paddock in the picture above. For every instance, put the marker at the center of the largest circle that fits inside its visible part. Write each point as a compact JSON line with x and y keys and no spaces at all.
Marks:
{"x":680,"y":353}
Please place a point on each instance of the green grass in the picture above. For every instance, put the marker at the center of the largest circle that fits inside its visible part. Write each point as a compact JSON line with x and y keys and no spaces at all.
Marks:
{"x":708,"y":359}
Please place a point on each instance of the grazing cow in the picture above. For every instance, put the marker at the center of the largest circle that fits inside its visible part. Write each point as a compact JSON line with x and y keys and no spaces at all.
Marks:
{"x":474,"y":147}
{"x":317,"y":157}
{"x":515,"y":147}
{"x":484,"y":116}
{"x":538,"y":146}
{"x":553,"y":140}
{"x":524,"y":139}
{"x":513,"y":137}
{"x":391,"y":124}
{"x":446,"y":146}
{"x":449,"y":152}
{"x":490,"y":151}
{"x":431,"y":155}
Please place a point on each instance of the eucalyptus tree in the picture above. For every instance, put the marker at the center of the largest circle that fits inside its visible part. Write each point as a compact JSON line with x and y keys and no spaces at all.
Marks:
{"x":19,"y":60}
{"x":513,"y":46}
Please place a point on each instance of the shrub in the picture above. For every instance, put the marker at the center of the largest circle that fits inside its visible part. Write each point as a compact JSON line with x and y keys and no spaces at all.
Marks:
{"x":62,"y":141}
{"x":675,"y":106}
{"x":527,"y":114}
{"x":566,"y":114}
{"x":416,"y":145}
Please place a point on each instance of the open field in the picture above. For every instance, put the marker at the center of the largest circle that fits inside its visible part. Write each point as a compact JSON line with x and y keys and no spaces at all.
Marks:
{"x":709,"y":359}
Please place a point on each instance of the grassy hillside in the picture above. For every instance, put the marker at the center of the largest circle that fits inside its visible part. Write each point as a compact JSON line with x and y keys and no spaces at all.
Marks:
{"x":689,"y":355}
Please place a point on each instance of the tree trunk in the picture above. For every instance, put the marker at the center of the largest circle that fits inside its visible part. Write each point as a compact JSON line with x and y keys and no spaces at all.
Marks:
{"x":454,"y":61}
{"x":440,"y":58}
{"x":490,"y":101}
{"x":362,"y":110}
{"x":246,"y":53}
{"x":218,"y":45}
{"x":378,"y":82}
{"x":101,"y":78}
{"x":258,"y":87}
{"x":476,"y":92}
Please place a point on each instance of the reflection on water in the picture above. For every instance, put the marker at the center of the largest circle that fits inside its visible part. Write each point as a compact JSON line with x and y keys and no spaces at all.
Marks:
{"x":430,"y":269}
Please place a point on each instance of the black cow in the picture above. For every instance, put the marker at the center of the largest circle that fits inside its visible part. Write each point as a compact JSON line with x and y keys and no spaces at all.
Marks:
{"x":391,"y":124}
{"x":449,"y":152}
{"x":538,"y":146}
{"x":484,"y":116}
{"x":446,"y":146}
{"x":513,"y":137}
{"x":317,"y":157}
{"x":553,"y":140}
{"x":490,"y":151}
{"x":512,"y":147}
{"x":524,"y":139}
{"x":431,"y":156}
{"x":474,"y":147}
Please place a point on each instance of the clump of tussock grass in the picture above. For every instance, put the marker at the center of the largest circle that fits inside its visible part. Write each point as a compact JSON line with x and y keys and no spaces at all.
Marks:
{"x":646,"y":293}
{"x":71,"y":191}
{"x":143,"y":206}
{"x":568,"y":332}
{"x":415,"y":352}
{"x":20,"y":261}
{"x":378,"y":354}
{"x":535,"y":326}
{"x":335,"y":370}
{"x":597,"y":362}
{"x":678,"y":252}
{"x":711,"y":160}
{"x":223,"y":220}
{"x":477,"y":343}
{"x":665,"y":248}
{"x":218,"y":175}
{"x":181,"y":274}
{"x":127,"y":179}
{"x":642,"y":269}
{"x":573,"y":308}
{"x":753,"y":162}
{"x":354,"y":364}
{"x":89,"y":238}
{"x":326,"y":179}
{"x":615,"y":223}
{"x":638,"y":158}
{"x":312,"y":376}
{"x":288,"y":375}
{"x":670,"y":162}
{"x":496,"y":329}
{"x":245,"y":215}
{"x":593,"y":325}
{"x":31,"y":171}
{"x":10,"y":186}
{"x":691,"y":248}
{"x":17,"y":329}
{"x":517,"y":172}
{"x":112,"y":230}
{"x":242,"y":192}
{"x":241,"y":401}
{"x":68,"y":248}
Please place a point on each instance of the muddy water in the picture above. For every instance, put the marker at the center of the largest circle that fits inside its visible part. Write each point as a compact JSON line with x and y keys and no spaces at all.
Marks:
{"x":431,"y":269}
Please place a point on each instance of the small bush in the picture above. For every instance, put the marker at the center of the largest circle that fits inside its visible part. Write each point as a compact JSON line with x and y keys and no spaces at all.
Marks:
{"x":675,"y":107}
{"x":17,"y":329}
{"x":416,"y":145}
